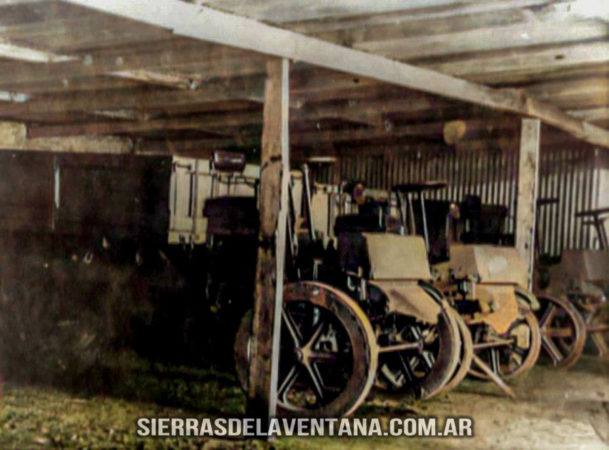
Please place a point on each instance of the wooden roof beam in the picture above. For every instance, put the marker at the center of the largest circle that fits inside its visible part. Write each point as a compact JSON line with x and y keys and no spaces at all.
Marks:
{"x":199,"y":22}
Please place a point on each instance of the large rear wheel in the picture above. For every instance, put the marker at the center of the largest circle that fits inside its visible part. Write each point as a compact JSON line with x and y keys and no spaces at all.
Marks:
{"x":416,"y":358}
{"x":328,"y":353}
{"x":466,"y":356}
{"x":563,"y":331}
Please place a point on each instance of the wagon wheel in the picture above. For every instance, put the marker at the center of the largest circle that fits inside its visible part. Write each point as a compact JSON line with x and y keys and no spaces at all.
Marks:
{"x":511,"y":353}
{"x":328,"y":354}
{"x":563,"y":330}
{"x":466,"y":356}
{"x":416,"y":358}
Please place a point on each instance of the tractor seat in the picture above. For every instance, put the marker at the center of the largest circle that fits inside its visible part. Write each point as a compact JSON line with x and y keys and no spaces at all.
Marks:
{"x":357,"y":223}
{"x":231,"y":216}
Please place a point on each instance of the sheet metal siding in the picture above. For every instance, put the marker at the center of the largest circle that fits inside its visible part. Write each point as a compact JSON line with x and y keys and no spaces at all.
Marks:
{"x":570,"y":174}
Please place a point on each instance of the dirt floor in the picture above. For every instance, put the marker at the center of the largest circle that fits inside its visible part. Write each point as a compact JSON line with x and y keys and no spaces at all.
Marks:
{"x":554,"y":410}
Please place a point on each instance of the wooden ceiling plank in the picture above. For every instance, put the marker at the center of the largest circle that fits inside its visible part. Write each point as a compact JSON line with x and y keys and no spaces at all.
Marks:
{"x":214,"y":63}
{"x":485,"y":39}
{"x":420,"y":28}
{"x":568,"y":87}
{"x":203,"y":23}
{"x":74,"y":35}
{"x":369,"y":112}
{"x":94,"y":83}
{"x":525,"y":61}
{"x":400,"y":17}
{"x":429,"y":130}
{"x":249,"y":88}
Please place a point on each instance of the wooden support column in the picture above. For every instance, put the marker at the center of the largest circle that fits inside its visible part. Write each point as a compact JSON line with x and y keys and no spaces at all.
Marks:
{"x":528,"y":174}
{"x":268,"y":296}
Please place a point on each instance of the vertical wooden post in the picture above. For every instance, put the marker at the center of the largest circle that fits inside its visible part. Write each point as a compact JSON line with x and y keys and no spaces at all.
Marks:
{"x":528,"y":173}
{"x":268,"y":295}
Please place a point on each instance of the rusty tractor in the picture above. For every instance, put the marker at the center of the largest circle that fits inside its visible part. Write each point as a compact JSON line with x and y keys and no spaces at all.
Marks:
{"x":483,"y":280}
{"x":363,"y":315}
{"x":582,"y":277}
{"x":563,"y":329}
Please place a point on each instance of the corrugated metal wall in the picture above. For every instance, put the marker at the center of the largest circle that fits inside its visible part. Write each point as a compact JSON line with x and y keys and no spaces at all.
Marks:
{"x":570,"y":174}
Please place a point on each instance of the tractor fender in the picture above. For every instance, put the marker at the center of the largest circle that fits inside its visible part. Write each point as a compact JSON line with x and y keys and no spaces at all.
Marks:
{"x":528,"y":298}
{"x":409,"y":298}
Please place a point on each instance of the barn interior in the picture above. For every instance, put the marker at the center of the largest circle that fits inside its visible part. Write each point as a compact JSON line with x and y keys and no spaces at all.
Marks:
{"x":112,"y":288}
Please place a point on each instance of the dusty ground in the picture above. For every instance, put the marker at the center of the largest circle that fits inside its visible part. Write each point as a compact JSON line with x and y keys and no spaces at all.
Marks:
{"x":553,"y":410}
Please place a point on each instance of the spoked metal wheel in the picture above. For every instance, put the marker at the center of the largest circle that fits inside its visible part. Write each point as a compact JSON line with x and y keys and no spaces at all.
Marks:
{"x":563,"y":331}
{"x":466,"y":355}
{"x":417,"y":359}
{"x":509,"y":354}
{"x":328,"y":355}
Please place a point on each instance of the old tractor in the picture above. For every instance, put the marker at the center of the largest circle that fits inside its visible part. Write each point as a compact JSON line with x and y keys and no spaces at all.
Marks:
{"x":485,"y":281}
{"x":364,"y":313}
{"x":328,"y":354}
{"x":563,"y":330}
{"x":582,"y":277}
